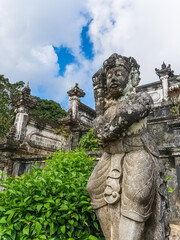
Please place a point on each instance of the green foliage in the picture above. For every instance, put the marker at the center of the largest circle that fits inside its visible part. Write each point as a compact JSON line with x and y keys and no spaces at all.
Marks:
{"x":64,"y":131}
{"x":50,"y":203}
{"x":7,"y":91}
{"x":89,"y":141}
{"x":175,"y":110}
{"x":49,"y":110}
{"x":169,"y":189}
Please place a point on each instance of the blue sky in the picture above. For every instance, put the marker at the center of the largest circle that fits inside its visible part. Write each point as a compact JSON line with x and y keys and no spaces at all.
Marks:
{"x":54,"y":43}
{"x":65,"y":57}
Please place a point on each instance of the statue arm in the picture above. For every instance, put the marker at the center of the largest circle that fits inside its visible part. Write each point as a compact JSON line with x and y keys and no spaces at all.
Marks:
{"x":131,"y":110}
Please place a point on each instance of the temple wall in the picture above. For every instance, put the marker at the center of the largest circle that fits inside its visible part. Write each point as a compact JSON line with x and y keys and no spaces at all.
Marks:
{"x":165,"y":131}
{"x":38,"y":142}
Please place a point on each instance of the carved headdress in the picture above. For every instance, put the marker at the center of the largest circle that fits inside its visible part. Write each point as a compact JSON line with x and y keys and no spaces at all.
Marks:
{"x":116,"y":60}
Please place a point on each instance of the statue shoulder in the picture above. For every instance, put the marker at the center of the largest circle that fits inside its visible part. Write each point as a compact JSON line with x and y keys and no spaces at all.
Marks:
{"x":141,"y":98}
{"x":144,"y":96}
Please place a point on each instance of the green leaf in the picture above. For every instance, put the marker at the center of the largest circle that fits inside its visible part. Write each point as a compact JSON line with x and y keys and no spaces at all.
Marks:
{"x":7,"y":238}
{"x":84,"y":202}
{"x":39,"y":206}
{"x":63,"y":229}
{"x":91,"y":237}
{"x":42,"y":237}
{"x":3,"y":220}
{"x":76,"y":216}
{"x":9,"y":232}
{"x":47,"y":205}
{"x":10,"y":215}
{"x":2,"y":209}
{"x":38,"y":228}
{"x":25,"y":200}
{"x":96,"y":225}
{"x":53,"y":228}
{"x":3,"y":174}
{"x":63,"y":207}
{"x":17,"y":226}
{"x":26,"y":230}
{"x":71,"y":222}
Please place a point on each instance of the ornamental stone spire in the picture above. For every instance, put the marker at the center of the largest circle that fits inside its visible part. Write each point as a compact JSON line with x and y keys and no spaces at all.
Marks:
{"x":75,"y":94}
{"x":76,"y":91}
{"x":164,"y":73}
{"x":22,"y":103}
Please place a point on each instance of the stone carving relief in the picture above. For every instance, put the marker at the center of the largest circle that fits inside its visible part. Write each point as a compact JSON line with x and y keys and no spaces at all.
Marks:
{"x":38,"y":140}
{"x":127,"y":187}
{"x":156,"y":96}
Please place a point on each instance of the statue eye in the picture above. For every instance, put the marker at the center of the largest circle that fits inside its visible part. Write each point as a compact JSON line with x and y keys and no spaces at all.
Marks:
{"x":118,"y":73}
{"x":109,"y":74}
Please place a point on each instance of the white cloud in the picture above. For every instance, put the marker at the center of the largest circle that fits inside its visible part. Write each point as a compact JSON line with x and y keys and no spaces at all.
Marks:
{"x":28,"y":30}
{"x":146,"y":30}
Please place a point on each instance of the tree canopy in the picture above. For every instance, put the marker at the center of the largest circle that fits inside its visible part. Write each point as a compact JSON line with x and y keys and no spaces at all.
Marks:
{"x":7,"y":90}
{"x":49,"y":110}
{"x":46,"y":109}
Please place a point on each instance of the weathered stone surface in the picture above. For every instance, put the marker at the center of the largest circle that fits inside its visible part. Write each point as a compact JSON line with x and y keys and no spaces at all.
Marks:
{"x":80,"y":116}
{"x":175,"y":232}
{"x":32,"y":139}
{"x":127,"y":187}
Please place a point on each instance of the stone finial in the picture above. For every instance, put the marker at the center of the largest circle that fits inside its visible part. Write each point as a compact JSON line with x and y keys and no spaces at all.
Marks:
{"x":26,"y":90}
{"x":164,"y":71}
{"x":24,"y":101}
{"x":76,"y":91}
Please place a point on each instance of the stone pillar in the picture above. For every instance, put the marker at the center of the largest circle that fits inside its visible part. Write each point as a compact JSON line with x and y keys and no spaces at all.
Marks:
{"x":20,"y":123}
{"x":74,"y":105}
{"x":75,"y":93}
{"x":22,"y":106}
{"x":164,"y":73}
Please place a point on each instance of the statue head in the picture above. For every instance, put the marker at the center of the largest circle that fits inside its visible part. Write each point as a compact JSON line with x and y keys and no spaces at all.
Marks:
{"x":117,"y":79}
{"x":122,"y":75}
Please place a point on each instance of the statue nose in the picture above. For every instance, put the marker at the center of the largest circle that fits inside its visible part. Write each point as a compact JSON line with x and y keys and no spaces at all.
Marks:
{"x":114,"y":79}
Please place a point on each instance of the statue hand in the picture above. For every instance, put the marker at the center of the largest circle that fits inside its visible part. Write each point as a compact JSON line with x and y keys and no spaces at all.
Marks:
{"x":100,"y":127}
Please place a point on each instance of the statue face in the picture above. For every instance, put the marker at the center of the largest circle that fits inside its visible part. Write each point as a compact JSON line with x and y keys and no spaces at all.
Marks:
{"x":117,"y":79}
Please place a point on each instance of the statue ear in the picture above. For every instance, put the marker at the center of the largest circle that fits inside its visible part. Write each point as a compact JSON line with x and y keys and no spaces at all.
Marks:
{"x":134,"y":77}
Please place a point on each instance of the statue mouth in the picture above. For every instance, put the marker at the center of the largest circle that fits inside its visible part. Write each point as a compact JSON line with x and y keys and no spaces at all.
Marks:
{"x":114,"y":85}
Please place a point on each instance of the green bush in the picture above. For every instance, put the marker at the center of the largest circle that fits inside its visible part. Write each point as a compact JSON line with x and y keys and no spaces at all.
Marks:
{"x":50,"y":203}
{"x":89,"y":141}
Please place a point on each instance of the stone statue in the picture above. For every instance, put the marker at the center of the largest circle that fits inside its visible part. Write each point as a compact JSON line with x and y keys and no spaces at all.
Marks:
{"x":127,"y":187}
